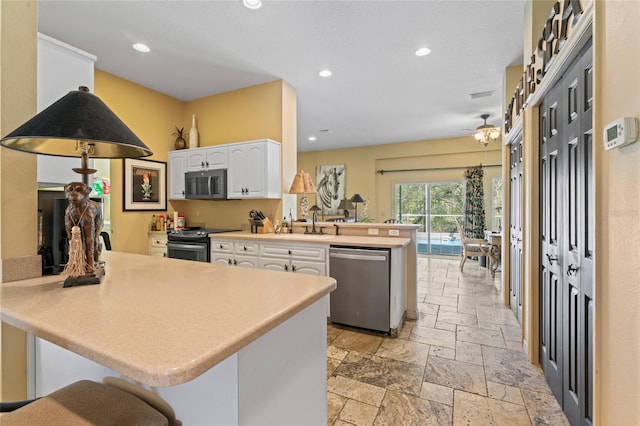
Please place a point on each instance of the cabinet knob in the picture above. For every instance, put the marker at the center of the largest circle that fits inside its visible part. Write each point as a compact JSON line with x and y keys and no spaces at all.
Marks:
{"x":220,"y":245}
{"x":286,"y":267}
{"x":202,"y":164}
{"x":207,"y":164}
{"x":293,"y":268}
{"x":244,"y":248}
{"x":552,"y":258}
{"x":289,"y":251}
{"x":235,"y":262}
{"x":229,"y":261}
{"x":572,"y":269}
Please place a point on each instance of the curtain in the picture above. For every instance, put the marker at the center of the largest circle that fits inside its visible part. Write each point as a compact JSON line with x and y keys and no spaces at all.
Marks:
{"x":474,"y":220}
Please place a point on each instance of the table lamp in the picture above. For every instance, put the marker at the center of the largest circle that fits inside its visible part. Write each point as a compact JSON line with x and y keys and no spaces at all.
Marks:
{"x":345,"y":205}
{"x":79,"y":125}
{"x":302,"y":184}
{"x":355,"y":200}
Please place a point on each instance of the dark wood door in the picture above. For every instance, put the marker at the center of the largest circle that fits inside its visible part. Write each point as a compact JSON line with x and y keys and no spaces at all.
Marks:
{"x":515,"y":229}
{"x":567,"y":238}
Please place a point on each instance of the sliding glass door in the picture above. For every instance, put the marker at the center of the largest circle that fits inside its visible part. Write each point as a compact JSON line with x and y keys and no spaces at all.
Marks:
{"x":433,"y":206}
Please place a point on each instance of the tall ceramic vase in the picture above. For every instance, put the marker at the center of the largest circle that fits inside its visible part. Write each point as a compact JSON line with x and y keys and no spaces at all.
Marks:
{"x":193,"y":133}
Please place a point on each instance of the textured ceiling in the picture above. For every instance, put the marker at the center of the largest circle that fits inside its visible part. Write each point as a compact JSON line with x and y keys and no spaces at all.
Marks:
{"x":380,"y":92}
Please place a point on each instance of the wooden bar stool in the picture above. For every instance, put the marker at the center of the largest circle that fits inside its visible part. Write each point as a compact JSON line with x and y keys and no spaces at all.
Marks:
{"x":86,"y":403}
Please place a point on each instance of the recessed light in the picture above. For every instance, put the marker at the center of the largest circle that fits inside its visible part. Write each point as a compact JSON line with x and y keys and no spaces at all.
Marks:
{"x":141,"y":47}
{"x":423,"y":51}
{"x":252,"y":4}
{"x":325,"y":73}
{"x":312,"y":139}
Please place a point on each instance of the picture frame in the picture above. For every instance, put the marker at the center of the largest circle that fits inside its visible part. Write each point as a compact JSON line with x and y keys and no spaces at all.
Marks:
{"x":331,"y":188}
{"x":145,"y":185}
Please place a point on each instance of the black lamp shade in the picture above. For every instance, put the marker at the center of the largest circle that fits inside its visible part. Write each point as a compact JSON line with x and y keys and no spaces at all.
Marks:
{"x":345,"y":204}
{"x":77,"y":116}
{"x":357,"y":199}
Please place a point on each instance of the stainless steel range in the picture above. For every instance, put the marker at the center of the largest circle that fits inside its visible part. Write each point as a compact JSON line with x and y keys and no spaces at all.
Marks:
{"x":191,"y":243}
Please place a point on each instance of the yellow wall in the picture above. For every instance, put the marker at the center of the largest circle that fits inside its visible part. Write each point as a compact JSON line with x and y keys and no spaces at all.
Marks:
{"x":18,"y":200}
{"x":262,"y":111}
{"x":151,"y":116}
{"x":362,"y":164}
{"x":251,"y":113}
{"x":617,"y":65}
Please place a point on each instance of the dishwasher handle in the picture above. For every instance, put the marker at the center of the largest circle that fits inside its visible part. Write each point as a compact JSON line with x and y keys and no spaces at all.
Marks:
{"x":376,"y":257}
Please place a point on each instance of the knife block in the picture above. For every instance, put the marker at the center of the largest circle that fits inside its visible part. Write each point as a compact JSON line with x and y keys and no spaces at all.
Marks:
{"x":267,"y":227}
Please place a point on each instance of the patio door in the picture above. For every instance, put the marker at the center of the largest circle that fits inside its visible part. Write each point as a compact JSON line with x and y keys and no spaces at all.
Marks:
{"x":433,"y":206}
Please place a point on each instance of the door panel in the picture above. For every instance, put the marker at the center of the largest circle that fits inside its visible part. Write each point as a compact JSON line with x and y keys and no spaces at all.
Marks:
{"x":515,"y":229}
{"x":567,"y":239}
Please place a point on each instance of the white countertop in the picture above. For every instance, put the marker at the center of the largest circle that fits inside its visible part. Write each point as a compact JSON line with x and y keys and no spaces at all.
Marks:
{"x":160,"y":321}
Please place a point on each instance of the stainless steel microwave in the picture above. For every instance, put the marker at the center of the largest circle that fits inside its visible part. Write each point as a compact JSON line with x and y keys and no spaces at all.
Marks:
{"x":206,"y":185}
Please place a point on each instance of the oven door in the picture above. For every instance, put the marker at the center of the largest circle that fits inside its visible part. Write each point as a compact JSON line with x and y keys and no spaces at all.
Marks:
{"x":188,"y":251}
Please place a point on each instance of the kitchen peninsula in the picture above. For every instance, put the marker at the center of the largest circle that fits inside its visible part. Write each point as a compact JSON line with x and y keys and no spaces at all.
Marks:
{"x":309,"y":253}
{"x":220,"y":345}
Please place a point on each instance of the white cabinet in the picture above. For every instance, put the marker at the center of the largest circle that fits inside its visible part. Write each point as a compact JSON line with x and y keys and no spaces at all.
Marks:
{"x":207,"y":158}
{"x":305,"y":259}
{"x":254,"y":170}
{"x":61,"y":68}
{"x":177,"y":168}
{"x":157,"y":243}
{"x":240,"y":253}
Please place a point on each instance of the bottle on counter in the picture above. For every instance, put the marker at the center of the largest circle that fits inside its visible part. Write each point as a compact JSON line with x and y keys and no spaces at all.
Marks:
{"x":153,"y":223}
{"x":285,"y":226}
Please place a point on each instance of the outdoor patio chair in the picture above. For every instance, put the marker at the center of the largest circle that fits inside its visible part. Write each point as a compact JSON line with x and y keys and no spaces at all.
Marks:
{"x":474,"y":247}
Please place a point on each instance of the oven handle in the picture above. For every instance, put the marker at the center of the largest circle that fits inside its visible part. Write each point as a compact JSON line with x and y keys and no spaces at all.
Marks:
{"x":185,"y":246}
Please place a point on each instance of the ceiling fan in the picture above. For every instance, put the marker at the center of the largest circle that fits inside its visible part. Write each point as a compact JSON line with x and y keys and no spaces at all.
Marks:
{"x":486,"y":133}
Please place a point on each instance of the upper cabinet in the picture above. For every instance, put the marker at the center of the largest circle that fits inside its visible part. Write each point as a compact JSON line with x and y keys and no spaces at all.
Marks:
{"x":61,"y":68}
{"x":177,"y":168}
{"x":254,"y":170}
{"x":207,"y":158}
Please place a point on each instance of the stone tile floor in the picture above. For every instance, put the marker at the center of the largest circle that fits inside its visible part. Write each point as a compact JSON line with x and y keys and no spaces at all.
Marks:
{"x":460,"y":362}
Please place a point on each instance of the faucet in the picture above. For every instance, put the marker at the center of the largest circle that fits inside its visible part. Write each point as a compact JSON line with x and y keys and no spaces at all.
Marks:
{"x":337,"y":228}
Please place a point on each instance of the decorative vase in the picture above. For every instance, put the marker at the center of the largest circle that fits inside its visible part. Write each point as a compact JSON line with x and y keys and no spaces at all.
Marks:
{"x":193,"y":133}
{"x":180,"y":143}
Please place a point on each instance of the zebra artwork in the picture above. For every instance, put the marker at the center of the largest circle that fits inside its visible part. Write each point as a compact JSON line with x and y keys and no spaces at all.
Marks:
{"x":330,"y":188}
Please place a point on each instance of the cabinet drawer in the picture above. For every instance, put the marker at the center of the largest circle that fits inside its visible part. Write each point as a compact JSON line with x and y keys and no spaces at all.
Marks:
{"x":246,"y":248}
{"x":218,"y":246}
{"x":158,"y":242}
{"x":294,"y":252}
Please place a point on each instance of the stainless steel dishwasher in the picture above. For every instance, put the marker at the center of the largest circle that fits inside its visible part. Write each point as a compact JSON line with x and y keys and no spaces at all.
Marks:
{"x":361,"y":298}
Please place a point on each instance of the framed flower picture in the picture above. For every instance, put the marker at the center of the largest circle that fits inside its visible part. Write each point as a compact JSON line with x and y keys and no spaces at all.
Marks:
{"x":145,"y":185}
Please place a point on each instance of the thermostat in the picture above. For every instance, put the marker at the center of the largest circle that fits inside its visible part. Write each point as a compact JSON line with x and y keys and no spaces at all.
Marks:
{"x":620,"y":132}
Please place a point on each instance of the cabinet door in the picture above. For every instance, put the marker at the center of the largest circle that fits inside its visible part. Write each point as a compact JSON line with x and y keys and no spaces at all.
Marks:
{"x":235,"y":181}
{"x":217,"y":158}
{"x":247,"y":261}
{"x":221,"y":259}
{"x":255,"y":176}
{"x":309,"y":268}
{"x":275,"y":264}
{"x":177,"y":169}
{"x":196,"y":159}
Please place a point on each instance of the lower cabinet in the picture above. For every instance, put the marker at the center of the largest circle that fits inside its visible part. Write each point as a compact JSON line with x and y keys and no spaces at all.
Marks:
{"x":304,"y":259}
{"x":157,"y":243}
{"x":241,"y":253}
{"x":310,"y":260}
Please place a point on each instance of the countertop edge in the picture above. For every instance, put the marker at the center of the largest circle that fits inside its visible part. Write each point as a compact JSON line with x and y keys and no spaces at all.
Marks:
{"x":327,"y":239}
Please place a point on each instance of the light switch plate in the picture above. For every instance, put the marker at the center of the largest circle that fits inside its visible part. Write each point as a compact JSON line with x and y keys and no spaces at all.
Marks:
{"x":394,"y":232}
{"x":373,"y":231}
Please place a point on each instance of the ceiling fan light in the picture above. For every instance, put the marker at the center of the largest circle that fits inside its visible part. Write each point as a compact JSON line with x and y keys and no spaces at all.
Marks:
{"x":478,"y":136}
{"x":494,"y":133}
